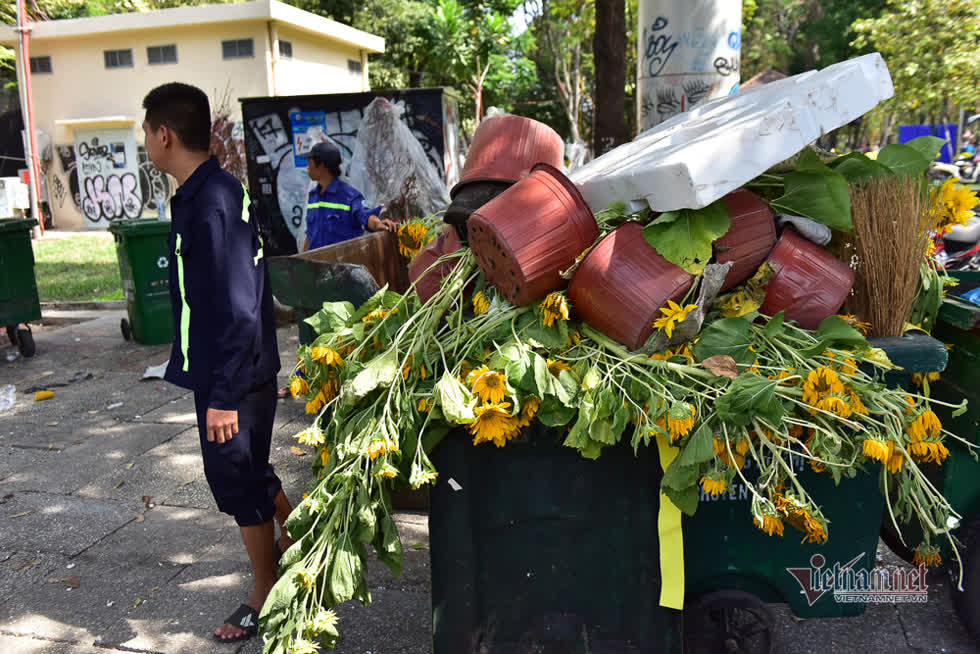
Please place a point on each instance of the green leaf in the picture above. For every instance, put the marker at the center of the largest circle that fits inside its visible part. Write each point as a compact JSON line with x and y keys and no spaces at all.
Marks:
{"x":345,"y":573}
{"x":927,"y":146}
{"x":592,"y":450}
{"x":857,"y":167}
{"x":684,"y":237}
{"x":748,"y":397}
{"x":816,"y":192}
{"x":686,"y":500}
{"x":602,"y":431}
{"x":678,"y":477}
{"x":729,"y":337}
{"x":388,"y":545}
{"x":553,"y":413}
{"x":578,"y":435}
{"x":381,"y":371}
{"x":775,"y":327}
{"x":369,"y":305}
{"x":903,"y":159}
{"x":333,"y":316}
{"x":543,"y":379}
{"x":455,"y":399}
{"x":366,"y":518}
{"x":277,"y":605}
{"x":699,"y":447}
{"x":960,"y":409}
{"x":566,"y":388}
{"x":548,"y":337}
{"x":835,"y":331}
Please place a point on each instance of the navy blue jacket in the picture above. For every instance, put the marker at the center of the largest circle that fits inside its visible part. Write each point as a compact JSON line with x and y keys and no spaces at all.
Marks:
{"x":337,"y":214}
{"x":224,"y":324}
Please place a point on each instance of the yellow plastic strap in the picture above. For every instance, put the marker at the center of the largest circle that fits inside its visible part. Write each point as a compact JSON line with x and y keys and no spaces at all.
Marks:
{"x":671,"y":539}
{"x":246,"y":203}
{"x":185,"y":309}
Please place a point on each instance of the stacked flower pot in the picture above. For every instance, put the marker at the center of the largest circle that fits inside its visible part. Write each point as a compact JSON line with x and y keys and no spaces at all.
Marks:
{"x":526,"y":222}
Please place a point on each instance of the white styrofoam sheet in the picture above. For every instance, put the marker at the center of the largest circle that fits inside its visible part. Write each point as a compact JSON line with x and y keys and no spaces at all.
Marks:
{"x":697,"y":157}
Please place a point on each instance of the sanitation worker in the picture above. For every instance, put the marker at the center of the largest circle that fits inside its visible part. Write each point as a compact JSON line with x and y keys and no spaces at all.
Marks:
{"x":225,"y":346}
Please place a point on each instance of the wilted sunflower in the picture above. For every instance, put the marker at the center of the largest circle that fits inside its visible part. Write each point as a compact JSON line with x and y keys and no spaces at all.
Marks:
{"x":327,"y":356}
{"x":680,"y":420}
{"x":673,"y":314}
{"x":819,"y":384}
{"x":488,"y":384}
{"x":314,"y":405}
{"x":924,"y":427}
{"x":769,"y":524}
{"x":381,"y":446}
{"x":412,"y":238}
{"x":528,"y":410}
{"x":298,"y":386}
{"x":713,"y":485}
{"x":856,"y":323}
{"x":952,"y":205}
{"x":494,"y":423}
{"x":877,"y":450}
{"x":555,"y":367}
{"x":554,"y":307}
{"x":480,"y":303}
{"x":927,"y":555}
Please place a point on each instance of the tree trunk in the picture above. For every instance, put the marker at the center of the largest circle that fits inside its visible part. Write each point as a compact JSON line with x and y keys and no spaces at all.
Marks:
{"x":609,"y":54}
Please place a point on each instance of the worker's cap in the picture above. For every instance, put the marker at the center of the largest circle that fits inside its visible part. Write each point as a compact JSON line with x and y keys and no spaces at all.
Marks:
{"x":326,"y":154}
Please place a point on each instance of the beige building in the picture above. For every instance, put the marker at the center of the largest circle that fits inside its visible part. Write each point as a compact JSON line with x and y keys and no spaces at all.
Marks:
{"x":90,"y":76}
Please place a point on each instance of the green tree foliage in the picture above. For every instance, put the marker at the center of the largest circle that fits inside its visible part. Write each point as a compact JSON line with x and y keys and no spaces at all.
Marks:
{"x":931,"y":47}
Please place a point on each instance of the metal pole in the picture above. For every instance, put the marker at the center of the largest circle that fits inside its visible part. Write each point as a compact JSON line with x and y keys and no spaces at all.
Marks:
{"x":27,"y":113}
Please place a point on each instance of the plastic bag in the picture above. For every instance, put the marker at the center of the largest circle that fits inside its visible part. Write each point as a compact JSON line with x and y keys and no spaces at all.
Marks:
{"x":389,"y":166}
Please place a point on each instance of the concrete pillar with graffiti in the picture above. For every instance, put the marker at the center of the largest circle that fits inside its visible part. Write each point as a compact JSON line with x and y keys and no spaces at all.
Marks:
{"x":108,"y":171}
{"x":688,"y":53}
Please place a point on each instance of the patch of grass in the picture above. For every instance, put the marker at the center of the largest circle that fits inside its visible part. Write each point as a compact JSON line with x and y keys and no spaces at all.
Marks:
{"x":78,"y":268}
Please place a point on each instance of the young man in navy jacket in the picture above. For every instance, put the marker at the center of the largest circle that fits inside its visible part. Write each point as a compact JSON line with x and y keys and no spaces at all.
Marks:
{"x":225,"y":346}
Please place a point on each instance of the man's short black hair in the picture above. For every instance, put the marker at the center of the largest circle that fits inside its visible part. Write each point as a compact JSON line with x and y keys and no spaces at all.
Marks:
{"x":185,"y":110}
{"x":327,"y":154}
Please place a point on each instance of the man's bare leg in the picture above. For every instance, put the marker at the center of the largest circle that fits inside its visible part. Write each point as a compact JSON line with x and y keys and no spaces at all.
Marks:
{"x":262,"y":554}
{"x":283,"y":509}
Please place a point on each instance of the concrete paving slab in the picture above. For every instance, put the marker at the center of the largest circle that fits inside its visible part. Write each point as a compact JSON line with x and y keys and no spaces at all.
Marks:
{"x":106,"y":591}
{"x":183,"y":614}
{"x":177,"y":411}
{"x":32,"y":645}
{"x":79,"y":465}
{"x":57,"y":523}
{"x":47,"y":432}
{"x":396,"y":622}
{"x":878,"y":630}
{"x":170,"y":535}
{"x":934,"y":627}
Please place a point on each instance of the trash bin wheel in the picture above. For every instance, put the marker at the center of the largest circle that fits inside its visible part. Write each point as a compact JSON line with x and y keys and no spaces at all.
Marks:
{"x":729,"y":622}
{"x":126,"y":329}
{"x":967,"y":603}
{"x":12,"y":334}
{"x":25,"y":343}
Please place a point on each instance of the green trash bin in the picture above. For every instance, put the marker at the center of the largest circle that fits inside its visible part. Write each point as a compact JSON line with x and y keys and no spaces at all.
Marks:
{"x":537,"y":549}
{"x":19,"y":303}
{"x":733,"y":569}
{"x":142,"y":249}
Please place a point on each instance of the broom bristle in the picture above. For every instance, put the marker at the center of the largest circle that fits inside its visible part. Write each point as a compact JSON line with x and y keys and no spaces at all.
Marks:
{"x":890,"y":236}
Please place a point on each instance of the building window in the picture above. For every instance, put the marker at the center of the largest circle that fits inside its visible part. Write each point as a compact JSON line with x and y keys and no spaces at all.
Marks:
{"x":354,"y":66}
{"x":40,"y":64}
{"x":162,"y":54}
{"x":118,"y":58}
{"x":285,"y":50}
{"x":237,"y":49}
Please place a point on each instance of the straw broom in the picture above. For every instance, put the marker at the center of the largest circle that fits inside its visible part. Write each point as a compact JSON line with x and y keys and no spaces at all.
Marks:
{"x":891,"y":233}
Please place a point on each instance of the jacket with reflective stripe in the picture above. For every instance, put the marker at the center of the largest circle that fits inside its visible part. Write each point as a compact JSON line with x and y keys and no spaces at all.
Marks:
{"x":337,"y":214}
{"x":225,"y":333}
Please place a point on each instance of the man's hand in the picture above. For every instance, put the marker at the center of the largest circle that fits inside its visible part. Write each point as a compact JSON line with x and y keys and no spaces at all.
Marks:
{"x":375,"y":224}
{"x":222,"y":425}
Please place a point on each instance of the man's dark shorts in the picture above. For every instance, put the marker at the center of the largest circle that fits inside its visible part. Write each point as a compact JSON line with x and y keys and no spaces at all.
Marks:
{"x":238,"y":471}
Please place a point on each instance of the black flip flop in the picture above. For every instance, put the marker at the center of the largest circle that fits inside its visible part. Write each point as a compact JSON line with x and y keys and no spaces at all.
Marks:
{"x":245,"y":618}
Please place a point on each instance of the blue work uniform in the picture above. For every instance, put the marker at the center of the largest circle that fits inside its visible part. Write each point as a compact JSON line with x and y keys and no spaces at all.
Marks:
{"x":225,"y":347}
{"x":337,"y":214}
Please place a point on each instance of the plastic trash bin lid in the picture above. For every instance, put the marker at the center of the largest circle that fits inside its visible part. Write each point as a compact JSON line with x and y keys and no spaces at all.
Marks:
{"x":140,"y":227}
{"x":15,"y":224}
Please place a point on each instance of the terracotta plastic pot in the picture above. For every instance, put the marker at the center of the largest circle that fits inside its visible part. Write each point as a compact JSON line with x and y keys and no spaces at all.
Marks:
{"x":810,"y":284}
{"x":470,"y":198}
{"x":506,"y":148}
{"x":427,"y":285}
{"x":525,"y":236}
{"x":622,"y":283}
{"x":750,"y":238}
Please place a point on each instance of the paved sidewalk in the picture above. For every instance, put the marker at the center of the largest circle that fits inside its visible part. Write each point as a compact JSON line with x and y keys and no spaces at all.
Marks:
{"x":110,"y":542}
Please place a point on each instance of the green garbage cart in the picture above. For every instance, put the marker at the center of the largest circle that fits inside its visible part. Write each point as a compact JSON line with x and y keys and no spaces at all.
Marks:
{"x":958,"y":326}
{"x":733,"y":569}
{"x":144,"y":265}
{"x":19,"y":303}
{"x":537,"y":549}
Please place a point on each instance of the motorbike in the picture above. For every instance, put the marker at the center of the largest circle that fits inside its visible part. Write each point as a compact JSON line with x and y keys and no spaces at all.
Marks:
{"x":965,"y":169}
{"x":960,"y":249}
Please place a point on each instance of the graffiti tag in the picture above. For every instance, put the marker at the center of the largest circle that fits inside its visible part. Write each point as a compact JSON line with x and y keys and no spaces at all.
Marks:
{"x":660,"y":46}
{"x":112,"y":197}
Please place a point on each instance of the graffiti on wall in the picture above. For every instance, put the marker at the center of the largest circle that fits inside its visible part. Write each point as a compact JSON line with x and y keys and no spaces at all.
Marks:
{"x":152,"y":183}
{"x":282,"y":189}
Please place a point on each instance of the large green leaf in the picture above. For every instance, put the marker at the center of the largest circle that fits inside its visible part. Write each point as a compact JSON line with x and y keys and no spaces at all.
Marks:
{"x":729,"y":337}
{"x":333,"y":316}
{"x":835,"y":331}
{"x":903,"y":159}
{"x":381,"y":371}
{"x":927,"y":146}
{"x":750,"y":396}
{"x":345,"y":573}
{"x":857,"y":167}
{"x":388,"y":545}
{"x":686,"y":500}
{"x":816,"y":192}
{"x":698,"y":447}
{"x":553,"y":413}
{"x":455,"y":400}
{"x":684,"y":237}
